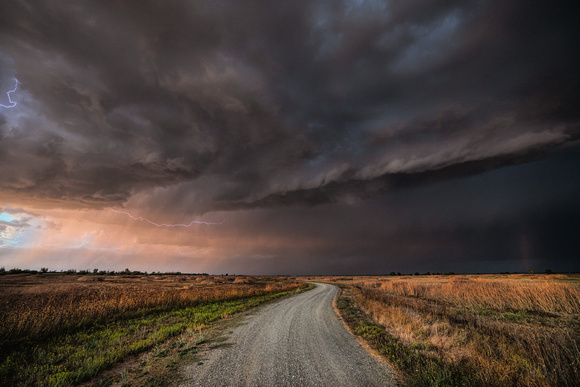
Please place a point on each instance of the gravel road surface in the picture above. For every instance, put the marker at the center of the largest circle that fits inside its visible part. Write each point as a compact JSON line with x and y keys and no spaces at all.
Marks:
{"x":298,"y":341}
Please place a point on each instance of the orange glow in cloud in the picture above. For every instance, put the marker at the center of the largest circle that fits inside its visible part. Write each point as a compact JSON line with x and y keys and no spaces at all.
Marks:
{"x":62,"y":239}
{"x":86,"y":239}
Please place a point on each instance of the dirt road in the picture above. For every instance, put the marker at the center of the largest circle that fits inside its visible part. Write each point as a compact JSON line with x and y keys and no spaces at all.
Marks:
{"x":298,"y":341}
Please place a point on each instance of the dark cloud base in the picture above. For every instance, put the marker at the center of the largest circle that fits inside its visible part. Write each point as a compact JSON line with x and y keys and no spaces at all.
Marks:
{"x":186,"y":108}
{"x":507,"y":219}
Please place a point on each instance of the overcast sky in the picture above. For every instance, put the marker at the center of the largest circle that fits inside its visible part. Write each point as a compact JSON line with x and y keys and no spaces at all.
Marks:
{"x":327,"y":137}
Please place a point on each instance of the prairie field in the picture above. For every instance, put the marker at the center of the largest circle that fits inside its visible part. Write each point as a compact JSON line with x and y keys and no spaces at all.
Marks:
{"x":482,"y":330}
{"x":59,"y":330}
{"x":445,"y":330}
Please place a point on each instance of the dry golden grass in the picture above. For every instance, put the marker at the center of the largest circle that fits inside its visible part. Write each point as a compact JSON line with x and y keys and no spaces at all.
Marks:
{"x":542,"y":295}
{"x":33,"y":305}
{"x":513,"y":330}
{"x":60,"y":330}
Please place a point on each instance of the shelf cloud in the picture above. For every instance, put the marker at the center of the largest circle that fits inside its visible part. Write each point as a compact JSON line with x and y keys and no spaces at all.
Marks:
{"x":329,"y":109}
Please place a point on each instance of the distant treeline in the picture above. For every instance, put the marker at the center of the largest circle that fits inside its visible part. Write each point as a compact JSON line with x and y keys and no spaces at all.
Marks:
{"x":399,"y":274}
{"x":44,"y":270}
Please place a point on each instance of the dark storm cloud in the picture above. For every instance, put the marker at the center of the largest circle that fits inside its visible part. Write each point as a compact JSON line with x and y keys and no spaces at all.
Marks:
{"x":227,"y":105}
{"x":508,"y":219}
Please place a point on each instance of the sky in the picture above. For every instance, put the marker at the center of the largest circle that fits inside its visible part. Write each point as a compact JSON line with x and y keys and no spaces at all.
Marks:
{"x":290,"y":137}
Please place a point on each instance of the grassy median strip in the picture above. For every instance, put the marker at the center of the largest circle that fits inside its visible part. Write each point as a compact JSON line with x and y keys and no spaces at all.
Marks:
{"x":72,"y":357}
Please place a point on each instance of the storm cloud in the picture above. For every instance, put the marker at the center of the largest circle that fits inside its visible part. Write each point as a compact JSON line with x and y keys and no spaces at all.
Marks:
{"x":321,"y":109}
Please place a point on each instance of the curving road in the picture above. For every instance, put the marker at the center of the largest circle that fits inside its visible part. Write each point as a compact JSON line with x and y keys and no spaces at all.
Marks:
{"x":298,"y":341}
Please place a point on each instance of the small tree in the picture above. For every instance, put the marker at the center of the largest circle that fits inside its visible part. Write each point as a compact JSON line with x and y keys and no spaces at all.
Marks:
{"x":548,"y":271}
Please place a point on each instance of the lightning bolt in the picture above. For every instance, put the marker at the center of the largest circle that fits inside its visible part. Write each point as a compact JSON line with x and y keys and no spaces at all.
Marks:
{"x":140,"y":218}
{"x":9,"y":99}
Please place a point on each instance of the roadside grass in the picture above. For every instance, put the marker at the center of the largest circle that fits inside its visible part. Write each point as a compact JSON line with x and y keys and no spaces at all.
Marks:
{"x":79,"y":352}
{"x":418,"y":369}
{"x":470,"y":330}
{"x":42,"y":305}
{"x":161,"y":366}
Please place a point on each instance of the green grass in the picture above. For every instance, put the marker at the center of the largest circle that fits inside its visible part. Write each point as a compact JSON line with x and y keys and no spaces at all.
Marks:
{"x":74,"y":357}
